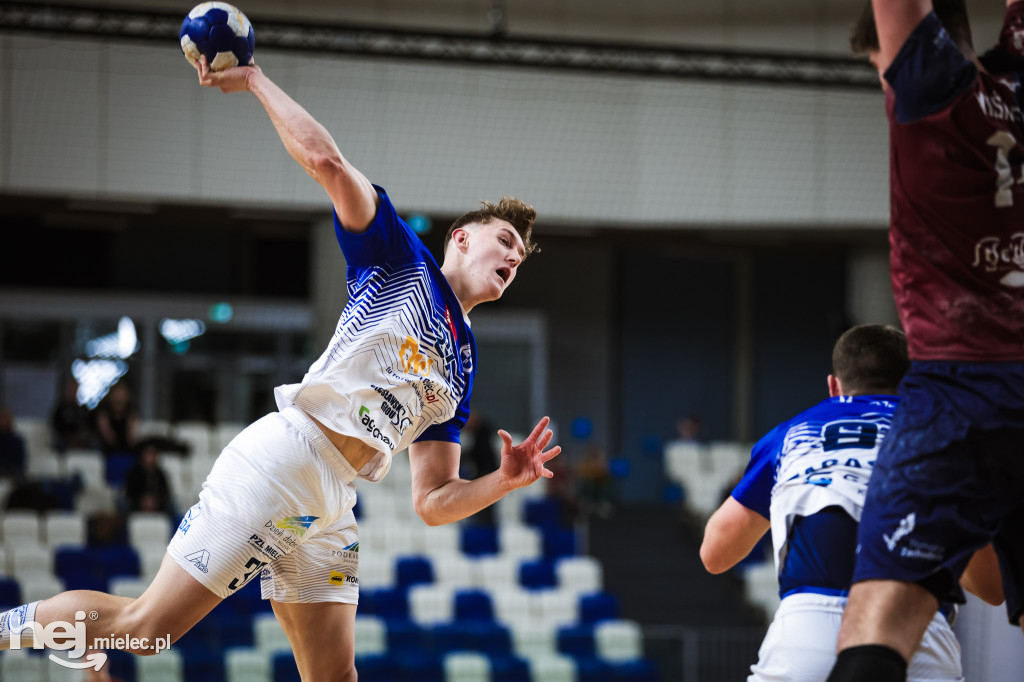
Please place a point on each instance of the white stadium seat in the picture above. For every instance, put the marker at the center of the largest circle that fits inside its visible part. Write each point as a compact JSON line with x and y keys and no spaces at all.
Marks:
{"x":467,"y":666}
{"x":64,"y":528}
{"x":618,"y":640}
{"x":248,"y":665}
{"x":268,"y":634}
{"x":148,"y":529}
{"x":430,"y":604}
{"x":21,"y":527}
{"x":579,"y":574}
{"x":163,"y":667}
{"x":370,"y":636}
{"x":552,"y":668}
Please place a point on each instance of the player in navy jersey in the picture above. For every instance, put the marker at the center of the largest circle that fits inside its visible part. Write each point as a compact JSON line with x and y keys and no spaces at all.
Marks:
{"x":398,"y":374}
{"x":806,"y":482}
{"x":950,"y":477}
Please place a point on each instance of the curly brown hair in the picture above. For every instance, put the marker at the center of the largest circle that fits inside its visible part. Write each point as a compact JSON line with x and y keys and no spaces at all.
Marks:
{"x":516,"y":213}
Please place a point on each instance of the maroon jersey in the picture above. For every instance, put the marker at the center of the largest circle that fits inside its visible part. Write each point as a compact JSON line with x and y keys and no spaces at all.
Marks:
{"x":957,"y":198}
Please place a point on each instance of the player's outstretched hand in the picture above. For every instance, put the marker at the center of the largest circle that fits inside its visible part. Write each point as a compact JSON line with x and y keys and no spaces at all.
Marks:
{"x":523,"y":464}
{"x":234,"y":79}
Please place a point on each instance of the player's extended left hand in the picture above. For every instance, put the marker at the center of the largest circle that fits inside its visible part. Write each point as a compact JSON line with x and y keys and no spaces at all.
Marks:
{"x":523,"y":464}
{"x":235,"y":79}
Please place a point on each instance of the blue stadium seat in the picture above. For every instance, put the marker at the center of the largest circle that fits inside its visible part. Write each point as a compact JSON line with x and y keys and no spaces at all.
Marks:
{"x":203,"y":664}
{"x":403,"y":635}
{"x":478,"y":540}
{"x":641,"y":670}
{"x":121,"y":665}
{"x":593,"y":669}
{"x":117,"y":467}
{"x":472,"y":635}
{"x":413,"y":570}
{"x":509,"y":669}
{"x":473,"y":605}
{"x":117,"y":560}
{"x":537,"y":574}
{"x":543,"y":513}
{"x":80,"y":568}
{"x":597,"y":607}
{"x":283,"y":666}
{"x":380,"y":668}
{"x":10,"y":593}
{"x":388,"y":603}
{"x":419,"y":666}
{"x":576,"y":640}
{"x":558,"y":542}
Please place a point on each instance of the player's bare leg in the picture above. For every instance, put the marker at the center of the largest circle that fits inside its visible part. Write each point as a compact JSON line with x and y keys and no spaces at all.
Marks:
{"x":322,"y":636}
{"x":887,"y":612}
{"x":171,"y":605}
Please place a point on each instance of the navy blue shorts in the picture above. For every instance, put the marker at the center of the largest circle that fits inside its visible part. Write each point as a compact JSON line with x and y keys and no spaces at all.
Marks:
{"x":949,"y":480}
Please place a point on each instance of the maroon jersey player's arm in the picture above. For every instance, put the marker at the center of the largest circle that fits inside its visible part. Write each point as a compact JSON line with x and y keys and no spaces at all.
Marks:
{"x":895,"y":21}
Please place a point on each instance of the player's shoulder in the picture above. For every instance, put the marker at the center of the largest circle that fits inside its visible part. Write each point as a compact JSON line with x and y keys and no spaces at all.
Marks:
{"x":929,"y":73}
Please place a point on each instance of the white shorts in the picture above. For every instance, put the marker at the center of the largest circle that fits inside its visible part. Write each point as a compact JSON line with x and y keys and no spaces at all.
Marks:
{"x":278,"y":504}
{"x":801,"y":644}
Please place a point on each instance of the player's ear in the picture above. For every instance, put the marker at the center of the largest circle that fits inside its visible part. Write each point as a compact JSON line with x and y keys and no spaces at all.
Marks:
{"x":835,"y":387}
{"x":460,"y":237}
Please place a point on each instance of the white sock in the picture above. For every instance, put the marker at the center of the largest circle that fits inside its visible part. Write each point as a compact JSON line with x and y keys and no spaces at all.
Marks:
{"x":13,"y":618}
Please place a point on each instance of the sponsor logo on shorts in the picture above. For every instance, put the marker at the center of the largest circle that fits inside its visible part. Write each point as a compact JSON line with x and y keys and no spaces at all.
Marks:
{"x":257,"y":542}
{"x":297,"y":524}
{"x":916,"y":549}
{"x":190,"y":516}
{"x":201,"y":559}
{"x":905,"y":528}
{"x":371,"y":427}
{"x":283,"y":538}
{"x":339,"y":578}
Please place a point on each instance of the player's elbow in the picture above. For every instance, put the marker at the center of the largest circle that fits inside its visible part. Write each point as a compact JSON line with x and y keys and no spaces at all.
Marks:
{"x":326,"y":166}
{"x":427,"y":511}
{"x":714,"y":562}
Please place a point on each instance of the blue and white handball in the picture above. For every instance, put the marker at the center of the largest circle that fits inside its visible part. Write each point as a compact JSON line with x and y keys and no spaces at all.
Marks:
{"x":221,"y":32}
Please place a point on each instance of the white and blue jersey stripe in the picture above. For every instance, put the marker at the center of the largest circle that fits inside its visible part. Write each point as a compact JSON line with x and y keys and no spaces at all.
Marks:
{"x":819,"y":460}
{"x":400,"y":366}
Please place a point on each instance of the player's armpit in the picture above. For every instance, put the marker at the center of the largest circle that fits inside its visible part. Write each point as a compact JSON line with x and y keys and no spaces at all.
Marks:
{"x":730,"y":534}
{"x":982,"y":577}
{"x":895,"y":20}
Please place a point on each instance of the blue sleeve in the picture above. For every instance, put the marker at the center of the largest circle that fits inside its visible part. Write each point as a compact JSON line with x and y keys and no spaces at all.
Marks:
{"x":448,"y":431}
{"x":388,"y":240}
{"x":929,"y":72}
{"x":754,"y":491}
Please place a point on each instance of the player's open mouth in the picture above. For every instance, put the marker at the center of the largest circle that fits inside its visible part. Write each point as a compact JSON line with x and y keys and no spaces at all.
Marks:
{"x":504,"y":273}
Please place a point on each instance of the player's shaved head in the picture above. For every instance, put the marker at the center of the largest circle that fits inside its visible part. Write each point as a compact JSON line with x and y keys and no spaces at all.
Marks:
{"x":952,"y":14}
{"x":870,"y":359}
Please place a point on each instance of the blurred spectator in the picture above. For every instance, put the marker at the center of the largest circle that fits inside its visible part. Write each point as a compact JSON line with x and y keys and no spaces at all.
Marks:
{"x":146,"y":486}
{"x":594,"y":483}
{"x":72,"y":423}
{"x":117,"y":421}
{"x":12,"y":447}
{"x":479,"y":458}
{"x":688,"y":429}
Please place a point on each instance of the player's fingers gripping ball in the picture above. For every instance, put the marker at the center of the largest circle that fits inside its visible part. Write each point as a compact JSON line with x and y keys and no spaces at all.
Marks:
{"x":221,"y":32}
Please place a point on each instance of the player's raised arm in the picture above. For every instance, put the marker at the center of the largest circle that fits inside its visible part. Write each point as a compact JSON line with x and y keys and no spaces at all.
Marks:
{"x":308,"y":142}
{"x":895,"y":20}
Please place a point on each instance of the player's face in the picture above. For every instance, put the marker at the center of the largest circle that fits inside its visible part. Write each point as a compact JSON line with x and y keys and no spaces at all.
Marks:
{"x":494,"y":252}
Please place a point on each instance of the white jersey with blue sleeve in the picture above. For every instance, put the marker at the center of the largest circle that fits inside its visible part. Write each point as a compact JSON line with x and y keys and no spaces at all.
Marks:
{"x":820,"y":458}
{"x":400,"y":365}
